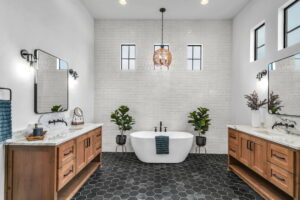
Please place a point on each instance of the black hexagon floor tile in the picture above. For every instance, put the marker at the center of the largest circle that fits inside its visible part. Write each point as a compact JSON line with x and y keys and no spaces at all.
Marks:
{"x":199,"y":177}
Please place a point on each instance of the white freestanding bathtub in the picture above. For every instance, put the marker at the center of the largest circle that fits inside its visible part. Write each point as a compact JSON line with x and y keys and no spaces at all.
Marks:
{"x":143,"y":143}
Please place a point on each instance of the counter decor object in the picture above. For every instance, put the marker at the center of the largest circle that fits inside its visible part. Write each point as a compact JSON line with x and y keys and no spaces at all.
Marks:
{"x":255,"y":104}
{"x":33,"y":137}
{"x":37,"y":131}
{"x":78,"y":118}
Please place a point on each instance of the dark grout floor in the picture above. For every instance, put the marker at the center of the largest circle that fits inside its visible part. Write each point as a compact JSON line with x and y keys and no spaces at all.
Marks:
{"x":200,"y":176}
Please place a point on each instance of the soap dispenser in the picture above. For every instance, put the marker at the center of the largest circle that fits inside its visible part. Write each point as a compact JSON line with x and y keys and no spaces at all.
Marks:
{"x":37,"y":131}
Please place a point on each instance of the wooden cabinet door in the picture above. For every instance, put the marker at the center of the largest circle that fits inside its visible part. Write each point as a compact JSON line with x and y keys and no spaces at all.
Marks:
{"x":244,"y":151}
{"x":258,"y":149}
{"x":89,"y":150}
{"x":81,"y":143}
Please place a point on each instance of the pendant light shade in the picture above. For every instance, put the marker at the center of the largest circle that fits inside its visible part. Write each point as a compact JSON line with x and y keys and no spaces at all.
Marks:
{"x":162,"y":57}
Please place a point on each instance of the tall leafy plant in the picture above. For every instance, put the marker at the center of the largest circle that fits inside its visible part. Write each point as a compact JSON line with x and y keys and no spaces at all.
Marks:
{"x":274,"y":105}
{"x":200,"y":120}
{"x":122,"y":119}
{"x":253,"y":101}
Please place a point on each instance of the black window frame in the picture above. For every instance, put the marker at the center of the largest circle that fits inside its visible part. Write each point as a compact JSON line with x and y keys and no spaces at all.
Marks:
{"x":128,"y":58}
{"x":255,"y":40}
{"x":285,"y":24}
{"x":159,"y":45}
{"x":192,"y":59}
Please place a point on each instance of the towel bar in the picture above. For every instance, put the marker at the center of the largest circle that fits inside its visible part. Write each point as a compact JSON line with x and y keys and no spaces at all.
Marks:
{"x":10,"y":92}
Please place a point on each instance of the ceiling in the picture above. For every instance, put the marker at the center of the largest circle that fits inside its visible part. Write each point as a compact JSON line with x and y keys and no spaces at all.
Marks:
{"x":176,"y":9}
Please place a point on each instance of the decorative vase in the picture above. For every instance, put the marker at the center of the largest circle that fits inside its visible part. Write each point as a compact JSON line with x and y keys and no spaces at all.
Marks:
{"x":200,"y":141}
{"x":121,"y":139}
{"x":255,"y":120}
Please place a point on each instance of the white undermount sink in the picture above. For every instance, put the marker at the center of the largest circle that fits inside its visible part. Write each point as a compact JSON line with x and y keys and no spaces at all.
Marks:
{"x":75,"y":129}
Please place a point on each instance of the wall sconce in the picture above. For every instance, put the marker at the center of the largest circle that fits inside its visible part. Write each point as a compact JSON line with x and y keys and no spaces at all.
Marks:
{"x":73,"y":73}
{"x":261,"y":74}
{"x":29,"y":57}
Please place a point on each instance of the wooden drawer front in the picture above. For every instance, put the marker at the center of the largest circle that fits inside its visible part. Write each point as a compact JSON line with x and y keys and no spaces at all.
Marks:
{"x":97,"y":148}
{"x":65,"y":174}
{"x":281,"y":157}
{"x":281,"y":178}
{"x":233,"y":137}
{"x":66,"y":153}
{"x":232,"y":149}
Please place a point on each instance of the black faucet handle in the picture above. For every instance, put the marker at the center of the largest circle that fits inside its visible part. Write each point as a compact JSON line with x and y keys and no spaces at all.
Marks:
{"x":155,"y":129}
{"x":165,"y":129}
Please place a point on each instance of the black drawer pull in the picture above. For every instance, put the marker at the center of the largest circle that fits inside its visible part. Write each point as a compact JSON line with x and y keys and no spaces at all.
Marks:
{"x":69,"y":172}
{"x":65,"y":154}
{"x":279,"y":157}
{"x":98,"y":135}
{"x":278,"y":178}
{"x":232,"y":150}
{"x":231,"y":136}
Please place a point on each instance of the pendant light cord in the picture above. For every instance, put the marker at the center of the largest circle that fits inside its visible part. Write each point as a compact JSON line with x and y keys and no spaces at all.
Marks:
{"x":162,"y":29}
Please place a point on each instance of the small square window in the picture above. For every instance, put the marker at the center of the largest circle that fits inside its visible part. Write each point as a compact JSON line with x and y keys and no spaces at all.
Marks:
{"x":292,"y":24}
{"x":259,"y":40}
{"x":194,"y":57}
{"x":127,"y":57}
{"x":156,"y":47}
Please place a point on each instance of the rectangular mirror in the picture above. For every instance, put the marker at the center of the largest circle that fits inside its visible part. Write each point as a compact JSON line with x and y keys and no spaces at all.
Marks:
{"x":284,"y":81}
{"x":51,"y":83}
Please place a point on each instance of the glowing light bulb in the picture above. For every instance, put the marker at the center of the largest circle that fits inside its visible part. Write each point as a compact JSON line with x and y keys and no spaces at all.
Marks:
{"x":123,"y":2}
{"x":204,"y":2}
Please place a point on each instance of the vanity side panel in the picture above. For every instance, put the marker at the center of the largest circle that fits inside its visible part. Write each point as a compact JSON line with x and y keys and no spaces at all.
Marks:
{"x":31,"y":173}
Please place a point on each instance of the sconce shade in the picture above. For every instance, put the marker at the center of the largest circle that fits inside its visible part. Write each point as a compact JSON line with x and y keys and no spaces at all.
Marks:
{"x":162,"y":57}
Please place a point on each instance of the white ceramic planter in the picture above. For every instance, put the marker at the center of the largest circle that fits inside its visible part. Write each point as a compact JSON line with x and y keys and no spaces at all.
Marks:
{"x":256,"y":119}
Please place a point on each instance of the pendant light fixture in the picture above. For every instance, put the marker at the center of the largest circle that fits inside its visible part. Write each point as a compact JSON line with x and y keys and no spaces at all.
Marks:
{"x":162,"y":57}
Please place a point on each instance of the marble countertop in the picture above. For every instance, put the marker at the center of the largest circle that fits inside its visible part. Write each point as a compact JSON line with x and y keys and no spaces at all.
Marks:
{"x":55,"y":137}
{"x":292,"y":141}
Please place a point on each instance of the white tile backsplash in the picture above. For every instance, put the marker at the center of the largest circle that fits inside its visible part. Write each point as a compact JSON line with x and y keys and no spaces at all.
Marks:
{"x":166,"y":96}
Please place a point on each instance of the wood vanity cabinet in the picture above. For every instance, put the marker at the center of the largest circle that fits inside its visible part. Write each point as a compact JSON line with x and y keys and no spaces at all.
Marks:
{"x":271,"y":169}
{"x":52,"y":172}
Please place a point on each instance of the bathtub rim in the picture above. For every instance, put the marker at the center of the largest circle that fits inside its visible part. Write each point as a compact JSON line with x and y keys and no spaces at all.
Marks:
{"x":188,"y":135}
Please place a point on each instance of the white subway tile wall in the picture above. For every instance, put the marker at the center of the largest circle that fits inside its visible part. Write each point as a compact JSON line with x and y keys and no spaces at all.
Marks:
{"x":166,"y":96}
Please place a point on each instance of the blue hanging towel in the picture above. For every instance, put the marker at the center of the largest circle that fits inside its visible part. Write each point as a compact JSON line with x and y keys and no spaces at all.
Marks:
{"x":5,"y":120}
{"x":162,"y":144}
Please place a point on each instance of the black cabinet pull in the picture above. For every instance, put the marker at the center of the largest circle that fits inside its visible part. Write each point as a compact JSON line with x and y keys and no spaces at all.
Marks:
{"x":278,"y":178}
{"x":99,"y":148}
{"x":234,"y":137}
{"x":251,"y":147}
{"x":69,"y":172}
{"x":98,"y":135}
{"x":279,"y":157}
{"x":232,"y":150}
{"x":68,"y":153}
{"x":248,"y":144}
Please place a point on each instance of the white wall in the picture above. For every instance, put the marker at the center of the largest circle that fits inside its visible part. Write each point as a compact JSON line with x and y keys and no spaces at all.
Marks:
{"x":166,"y":96}
{"x":63,"y":28}
{"x":243,"y":72}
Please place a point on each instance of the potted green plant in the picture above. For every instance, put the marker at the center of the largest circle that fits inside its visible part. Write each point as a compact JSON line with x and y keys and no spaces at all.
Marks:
{"x":124,"y":122}
{"x":200,"y":120}
{"x":274,"y":105}
{"x":255,"y":104}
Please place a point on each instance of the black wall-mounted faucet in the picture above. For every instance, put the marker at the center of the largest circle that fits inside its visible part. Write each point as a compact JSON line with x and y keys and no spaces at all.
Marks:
{"x":286,"y":125}
{"x":58,"y":121}
{"x":160,"y":126}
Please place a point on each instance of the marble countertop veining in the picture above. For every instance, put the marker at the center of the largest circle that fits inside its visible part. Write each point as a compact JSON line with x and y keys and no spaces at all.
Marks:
{"x":55,"y":137}
{"x":292,"y":141}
